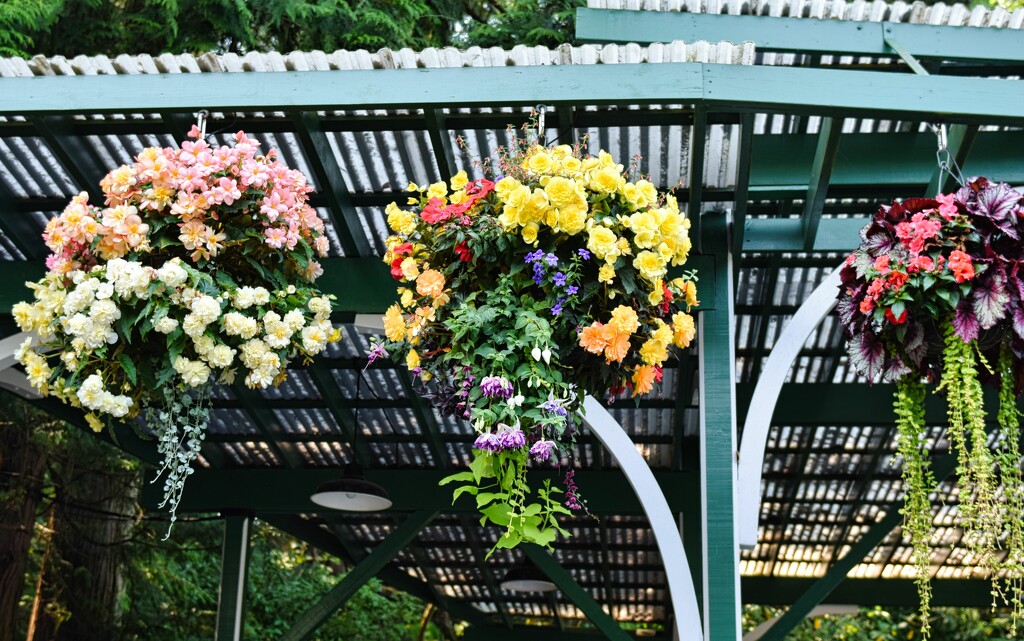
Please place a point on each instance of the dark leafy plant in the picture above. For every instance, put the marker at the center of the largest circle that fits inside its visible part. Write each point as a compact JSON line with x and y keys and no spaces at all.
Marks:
{"x":935,"y":292}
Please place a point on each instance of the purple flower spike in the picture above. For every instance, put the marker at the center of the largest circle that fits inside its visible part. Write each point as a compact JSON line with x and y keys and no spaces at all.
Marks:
{"x":496,"y":386}
{"x":488,"y":442}
{"x":541,"y":450}
{"x":511,"y":438}
{"x":572,"y":501}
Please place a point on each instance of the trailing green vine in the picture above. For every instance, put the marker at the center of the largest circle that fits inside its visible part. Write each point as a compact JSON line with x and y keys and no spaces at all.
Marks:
{"x":919,"y":482}
{"x":1011,"y":588}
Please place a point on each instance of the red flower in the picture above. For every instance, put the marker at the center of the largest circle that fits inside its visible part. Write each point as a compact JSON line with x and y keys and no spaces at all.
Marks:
{"x":896,"y":320}
{"x":896,"y":280}
{"x":435,"y":212}
{"x":961,"y":266}
{"x":658,"y":372}
{"x":396,"y":268}
{"x":462,"y":251}
{"x":405,"y":249}
{"x":666,"y":299}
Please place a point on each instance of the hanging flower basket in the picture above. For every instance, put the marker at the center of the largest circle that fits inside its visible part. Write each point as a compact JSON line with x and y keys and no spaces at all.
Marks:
{"x":935,"y":293}
{"x":197,"y":268}
{"x":521,"y":296}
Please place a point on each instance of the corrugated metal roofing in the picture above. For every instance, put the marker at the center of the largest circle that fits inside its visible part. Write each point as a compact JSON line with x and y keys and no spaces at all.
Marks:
{"x":824,"y":484}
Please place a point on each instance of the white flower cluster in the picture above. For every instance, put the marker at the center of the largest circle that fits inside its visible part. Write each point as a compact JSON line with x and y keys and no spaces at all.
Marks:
{"x":80,"y":320}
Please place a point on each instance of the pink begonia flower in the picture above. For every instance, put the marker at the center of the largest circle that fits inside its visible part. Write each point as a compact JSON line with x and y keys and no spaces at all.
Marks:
{"x":226,"y":191}
{"x":947,"y":206}
{"x":275,"y":237}
{"x":882,"y":264}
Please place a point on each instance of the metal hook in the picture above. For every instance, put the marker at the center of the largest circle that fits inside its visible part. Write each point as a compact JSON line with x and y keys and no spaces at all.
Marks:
{"x":947,"y":163}
{"x":541,"y":110}
{"x":201,"y":117}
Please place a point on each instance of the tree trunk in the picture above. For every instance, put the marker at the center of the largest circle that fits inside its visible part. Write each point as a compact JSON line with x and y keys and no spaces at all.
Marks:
{"x":22,"y":464}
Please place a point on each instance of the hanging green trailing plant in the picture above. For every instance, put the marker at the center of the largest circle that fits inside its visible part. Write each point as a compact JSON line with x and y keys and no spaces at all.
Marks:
{"x":935,"y":292}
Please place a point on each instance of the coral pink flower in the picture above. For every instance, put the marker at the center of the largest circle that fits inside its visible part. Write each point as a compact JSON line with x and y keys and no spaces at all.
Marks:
{"x":961,"y":266}
{"x":275,"y":237}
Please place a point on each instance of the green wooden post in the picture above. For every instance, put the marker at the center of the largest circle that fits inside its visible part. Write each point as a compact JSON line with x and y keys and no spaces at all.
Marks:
{"x":721,"y":588}
{"x":234,"y":570}
{"x":312,"y":618}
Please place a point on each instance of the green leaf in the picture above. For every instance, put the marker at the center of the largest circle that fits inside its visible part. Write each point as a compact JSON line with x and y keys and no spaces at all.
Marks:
{"x":128,"y":366}
{"x":498,"y":513}
{"x":509,"y":540}
{"x":484,"y":498}
{"x":546,"y":537}
{"x":458,"y":476}
{"x":465,"y":489}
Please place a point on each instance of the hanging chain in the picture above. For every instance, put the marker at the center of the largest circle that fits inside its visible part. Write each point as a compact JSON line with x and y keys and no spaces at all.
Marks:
{"x":541,"y":110}
{"x":947,"y":163}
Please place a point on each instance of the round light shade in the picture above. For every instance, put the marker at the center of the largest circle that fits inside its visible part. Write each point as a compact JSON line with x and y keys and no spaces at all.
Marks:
{"x":526,"y":577}
{"x":352,"y":493}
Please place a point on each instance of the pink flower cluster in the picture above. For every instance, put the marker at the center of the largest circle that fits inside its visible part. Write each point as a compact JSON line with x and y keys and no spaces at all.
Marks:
{"x":916,"y":233}
{"x":210,"y":196}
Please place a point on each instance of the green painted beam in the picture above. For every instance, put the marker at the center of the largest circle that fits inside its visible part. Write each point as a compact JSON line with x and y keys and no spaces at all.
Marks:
{"x":742,"y":189}
{"x":575,"y":593}
{"x":698,"y":150}
{"x":837,"y":572}
{"x":783,"y":591}
{"x":803,"y":35}
{"x":18,"y":226}
{"x":440,"y":143}
{"x":821,"y":174}
{"x":539,"y":633}
{"x":787,"y":234}
{"x":234,"y":573}
{"x":718,"y":446}
{"x":286,"y":491}
{"x":261,"y":412}
{"x":889,"y":37}
{"x":323,"y":163}
{"x":73,"y":154}
{"x":317,"y":536}
{"x":323,"y":609}
{"x":730,"y":88}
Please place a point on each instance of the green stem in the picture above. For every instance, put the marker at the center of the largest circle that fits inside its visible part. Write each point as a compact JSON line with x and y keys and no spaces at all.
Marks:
{"x":1008,"y":458}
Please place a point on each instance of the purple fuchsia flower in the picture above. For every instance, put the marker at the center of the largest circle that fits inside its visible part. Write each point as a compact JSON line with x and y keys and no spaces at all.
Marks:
{"x":488,"y":442}
{"x":554,"y":406}
{"x":541,"y":450}
{"x":496,"y":386}
{"x":511,"y":437}
{"x":377,"y":351}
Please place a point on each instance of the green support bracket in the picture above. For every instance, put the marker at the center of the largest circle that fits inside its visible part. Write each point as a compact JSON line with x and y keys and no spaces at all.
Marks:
{"x":234,"y":571}
{"x":837,"y":573}
{"x":575,"y":593}
{"x":368,"y":568}
{"x":960,"y":139}
{"x":437,"y":130}
{"x":821,"y":174}
{"x":566,"y":125}
{"x":889,"y":37}
{"x":19,"y":227}
{"x":73,"y":153}
{"x":262,"y":415}
{"x":313,"y":534}
{"x":323,"y":163}
{"x":718,"y":445}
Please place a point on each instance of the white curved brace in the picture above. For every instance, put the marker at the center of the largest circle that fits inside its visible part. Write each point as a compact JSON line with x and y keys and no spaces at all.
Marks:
{"x":766,"y":395}
{"x":655,"y":506}
{"x":12,"y":379}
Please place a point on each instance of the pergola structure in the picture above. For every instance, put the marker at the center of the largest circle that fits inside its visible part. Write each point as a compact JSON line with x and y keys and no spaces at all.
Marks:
{"x":780,"y":147}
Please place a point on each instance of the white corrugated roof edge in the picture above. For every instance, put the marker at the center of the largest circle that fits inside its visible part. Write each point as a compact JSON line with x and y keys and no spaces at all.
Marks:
{"x":677,"y":51}
{"x":956,"y":14}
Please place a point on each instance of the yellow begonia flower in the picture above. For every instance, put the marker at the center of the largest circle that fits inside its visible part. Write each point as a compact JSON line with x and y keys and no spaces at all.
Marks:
{"x":403,"y":222}
{"x":459,"y":180}
{"x":430,"y":283}
{"x":643,"y":379}
{"x":561,"y":152}
{"x":561,"y":192}
{"x":653,"y":351}
{"x":572,"y":220}
{"x":657,"y":294}
{"x":572,"y":166}
{"x":505,"y":186}
{"x":437,"y":190}
{"x":394,"y":324}
{"x":530,"y":233}
{"x":605,"y":180}
{"x":624,"y":319}
{"x":406,"y":297}
{"x":539,"y":162}
{"x":412,"y":359}
{"x":94,"y":422}
{"x":413,"y":187}
{"x":683,"y":329}
{"x":410,"y":270}
{"x":603,"y":242}
{"x":606,"y":274}
{"x":650,"y":265}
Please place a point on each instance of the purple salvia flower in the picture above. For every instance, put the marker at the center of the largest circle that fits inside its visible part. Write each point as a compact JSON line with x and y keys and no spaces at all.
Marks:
{"x":541,"y":450}
{"x":572,"y":501}
{"x":511,"y":438}
{"x":488,"y":442}
{"x":496,"y":386}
